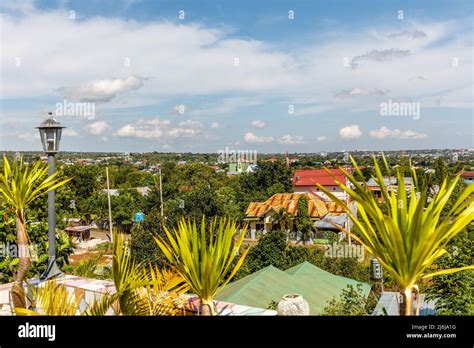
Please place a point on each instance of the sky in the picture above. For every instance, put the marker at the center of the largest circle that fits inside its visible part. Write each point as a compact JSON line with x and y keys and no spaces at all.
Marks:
{"x":271,"y":76}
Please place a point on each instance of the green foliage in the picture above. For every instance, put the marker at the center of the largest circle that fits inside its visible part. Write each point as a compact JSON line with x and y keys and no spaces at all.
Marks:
{"x":303,"y":222}
{"x":407,"y":236}
{"x":455,"y":292}
{"x":272,"y":249}
{"x":351,"y":302}
{"x":143,"y":245}
{"x":204,"y":257}
{"x":87,"y":268}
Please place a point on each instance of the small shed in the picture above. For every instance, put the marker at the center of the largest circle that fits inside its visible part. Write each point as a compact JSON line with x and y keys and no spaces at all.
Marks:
{"x":79,"y":232}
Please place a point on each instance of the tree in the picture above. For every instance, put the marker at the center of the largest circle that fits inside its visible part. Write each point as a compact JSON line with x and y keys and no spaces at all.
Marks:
{"x":303,"y":222}
{"x":143,"y":245}
{"x":204,"y":258}
{"x":19,"y":186}
{"x":351,"y":302}
{"x":454,"y":293}
{"x":270,"y":250}
{"x":441,"y":171}
{"x":284,"y":219}
{"x":408,"y":236}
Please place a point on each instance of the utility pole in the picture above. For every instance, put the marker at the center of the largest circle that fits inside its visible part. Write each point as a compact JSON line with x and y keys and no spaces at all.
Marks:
{"x":110,"y":206}
{"x":161,"y":192}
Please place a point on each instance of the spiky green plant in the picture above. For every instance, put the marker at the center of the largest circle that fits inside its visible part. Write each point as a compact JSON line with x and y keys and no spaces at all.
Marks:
{"x":52,"y":298}
{"x":406,"y":231}
{"x":20,"y":185}
{"x":204,"y":257}
{"x":139,"y":290}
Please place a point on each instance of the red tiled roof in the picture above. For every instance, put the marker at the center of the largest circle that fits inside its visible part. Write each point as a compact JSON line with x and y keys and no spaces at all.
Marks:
{"x":311,"y":177}
{"x":467,"y":174}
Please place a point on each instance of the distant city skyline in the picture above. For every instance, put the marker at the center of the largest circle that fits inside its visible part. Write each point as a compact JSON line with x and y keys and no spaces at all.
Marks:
{"x":270,"y":76}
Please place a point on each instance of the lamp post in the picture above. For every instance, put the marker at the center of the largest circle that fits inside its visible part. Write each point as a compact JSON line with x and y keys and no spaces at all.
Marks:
{"x":50,"y":135}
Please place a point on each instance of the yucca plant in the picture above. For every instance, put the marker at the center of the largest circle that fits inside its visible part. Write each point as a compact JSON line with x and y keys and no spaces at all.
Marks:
{"x":51,"y":299}
{"x":204,"y":257}
{"x":139,"y":289}
{"x":406,"y":231}
{"x":21,"y":184}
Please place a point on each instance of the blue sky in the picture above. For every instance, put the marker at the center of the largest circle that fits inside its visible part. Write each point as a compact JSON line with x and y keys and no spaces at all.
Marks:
{"x":247,"y":74}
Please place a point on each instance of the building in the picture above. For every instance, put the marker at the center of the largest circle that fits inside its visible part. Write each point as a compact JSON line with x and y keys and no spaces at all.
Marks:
{"x":263,"y":216}
{"x":270,"y":284}
{"x":391,"y":183}
{"x":468,"y":177}
{"x":306,"y":181}
{"x":241,"y":167}
{"x":79,"y":232}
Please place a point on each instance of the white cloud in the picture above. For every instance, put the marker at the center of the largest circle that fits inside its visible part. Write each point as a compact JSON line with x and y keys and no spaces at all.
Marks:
{"x":417,"y":34}
{"x":322,"y":138}
{"x":158,"y":128}
{"x":350,"y":132}
{"x":379,"y":56}
{"x":186,"y":129}
{"x":102,"y":90}
{"x":97,"y":128}
{"x":385,"y":132}
{"x":361,"y":92}
{"x":29,"y":137}
{"x":215,"y":125}
{"x":252,"y":138}
{"x":291,"y":140}
{"x":258,"y":124}
{"x":69,"y":132}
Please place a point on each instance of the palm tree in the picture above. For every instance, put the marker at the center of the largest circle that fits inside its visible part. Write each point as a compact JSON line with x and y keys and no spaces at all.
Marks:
{"x":284,"y":219}
{"x":139,"y":290}
{"x":205,"y":259}
{"x":406,"y":232}
{"x":19,"y":186}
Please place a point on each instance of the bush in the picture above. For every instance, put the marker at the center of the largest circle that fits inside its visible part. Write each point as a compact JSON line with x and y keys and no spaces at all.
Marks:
{"x":143,"y":245}
{"x":272,"y":249}
{"x":350,"y":302}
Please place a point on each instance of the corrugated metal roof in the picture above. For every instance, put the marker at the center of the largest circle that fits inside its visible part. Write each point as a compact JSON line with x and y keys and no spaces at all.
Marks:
{"x":289,"y":202}
{"x":388,"y":304}
{"x":311,"y":177}
{"x":270,"y":284}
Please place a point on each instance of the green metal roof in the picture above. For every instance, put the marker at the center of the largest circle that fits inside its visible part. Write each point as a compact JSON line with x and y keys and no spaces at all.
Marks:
{"x":314,"y":284}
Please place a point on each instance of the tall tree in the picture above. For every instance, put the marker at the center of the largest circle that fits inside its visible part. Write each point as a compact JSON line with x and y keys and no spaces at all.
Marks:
{"x":20,"y":185}
{"x":303,"y":222}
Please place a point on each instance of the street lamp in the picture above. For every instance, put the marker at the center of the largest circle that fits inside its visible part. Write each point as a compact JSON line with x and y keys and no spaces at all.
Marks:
{"x":50,"y":135}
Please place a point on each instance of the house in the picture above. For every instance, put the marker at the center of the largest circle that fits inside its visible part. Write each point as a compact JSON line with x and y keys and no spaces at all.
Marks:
{"x":262,"y":216}
{"x":468,"y":177}
{"x":144,"y":191}
{"x":241,"y":167}
{"x":79,"y":232}
{"x":317,"y":287}
{"x":390,"y":182}
{"x":306,"y":181}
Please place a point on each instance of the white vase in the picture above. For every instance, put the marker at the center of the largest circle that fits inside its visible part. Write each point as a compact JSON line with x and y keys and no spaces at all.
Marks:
{"x":293,"y":304}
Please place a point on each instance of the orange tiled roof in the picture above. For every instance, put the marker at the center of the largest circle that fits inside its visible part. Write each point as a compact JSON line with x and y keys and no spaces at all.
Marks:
{"x":289,"y":201}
